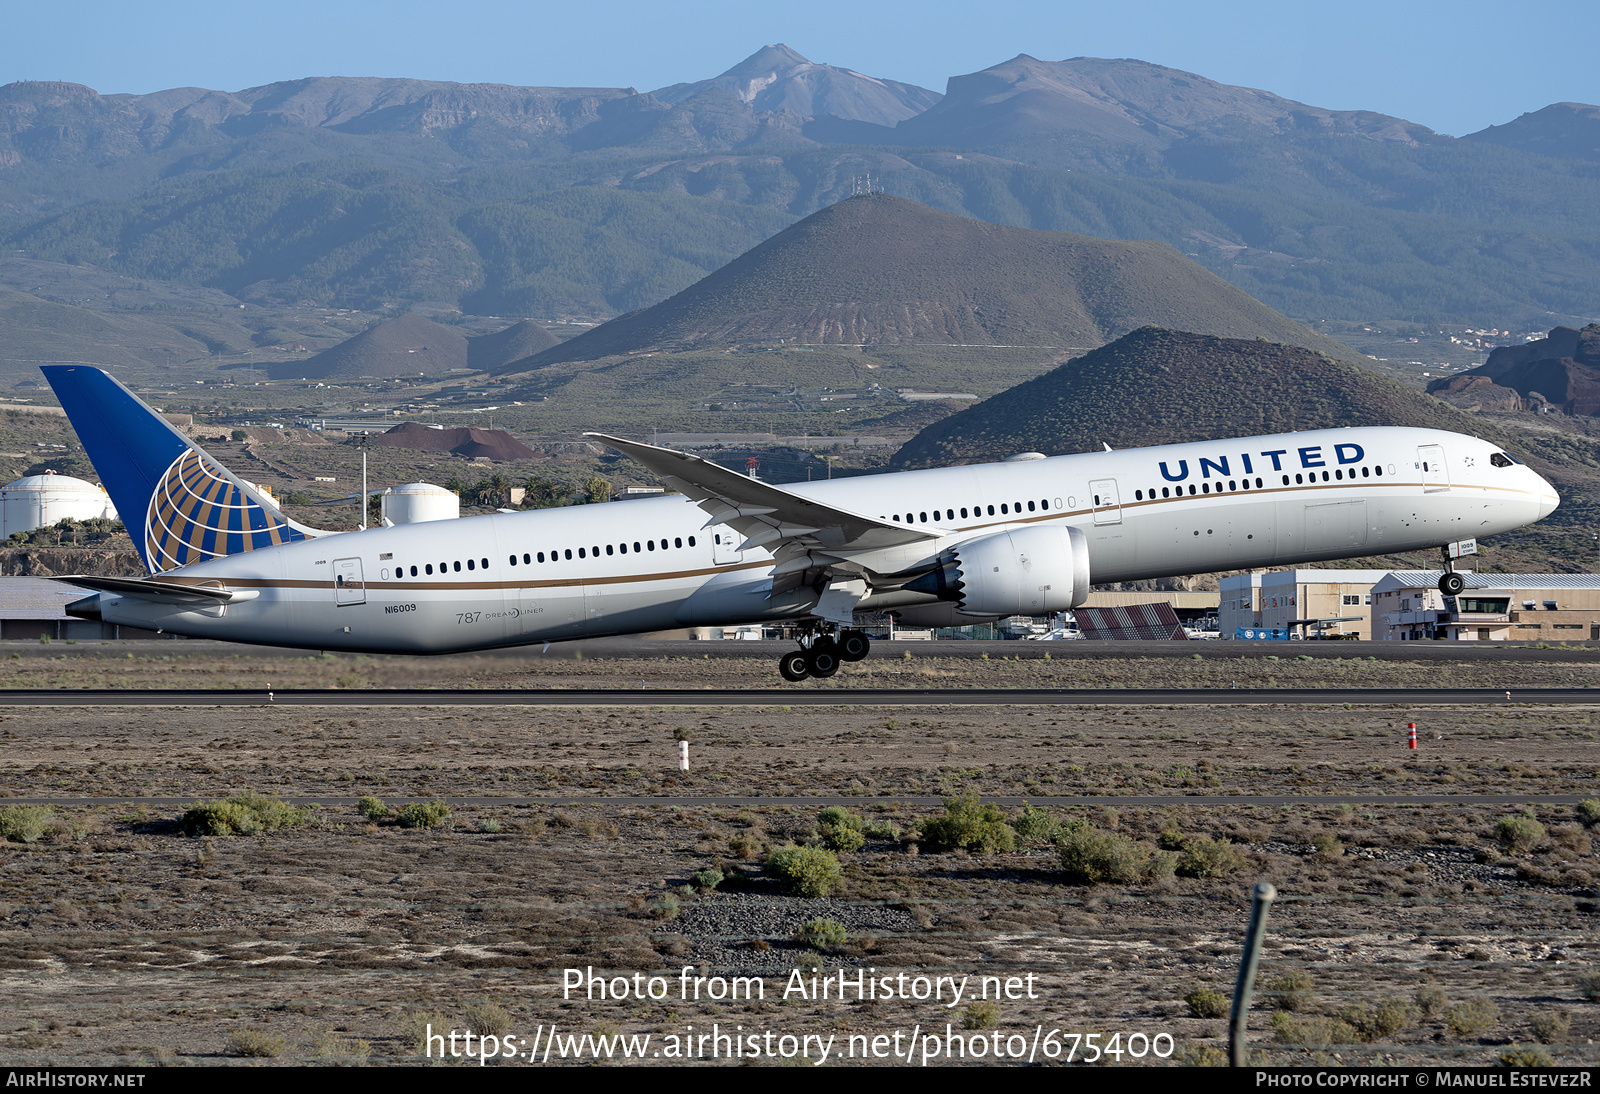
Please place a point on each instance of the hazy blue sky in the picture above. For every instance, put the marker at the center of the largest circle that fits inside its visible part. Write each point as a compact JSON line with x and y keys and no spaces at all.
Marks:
{"x":1456,"y":67}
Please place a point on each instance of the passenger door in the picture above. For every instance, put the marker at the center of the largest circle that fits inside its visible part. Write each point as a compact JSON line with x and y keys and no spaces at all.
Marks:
{"x":1107,"y":503}
{"x":1435,"y":473}
{"x":348,"y":585}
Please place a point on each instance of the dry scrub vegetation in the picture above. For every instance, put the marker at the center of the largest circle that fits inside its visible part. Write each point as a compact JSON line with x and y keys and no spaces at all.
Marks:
{"x":1413,"y":933}
{"x":715,"y":665}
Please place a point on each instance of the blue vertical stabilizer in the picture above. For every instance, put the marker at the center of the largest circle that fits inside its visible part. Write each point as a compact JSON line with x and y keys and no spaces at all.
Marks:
{"x":179,"y":504}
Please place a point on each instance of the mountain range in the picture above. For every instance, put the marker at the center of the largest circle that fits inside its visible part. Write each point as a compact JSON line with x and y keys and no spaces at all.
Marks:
{"x":367,"y":192}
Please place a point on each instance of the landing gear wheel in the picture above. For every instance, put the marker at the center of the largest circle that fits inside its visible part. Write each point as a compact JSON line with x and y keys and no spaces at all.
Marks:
{"x":822,"y":660}
{"x":792,"y":666}
{"x":853,"y":645}
{"x":1452,"y":583}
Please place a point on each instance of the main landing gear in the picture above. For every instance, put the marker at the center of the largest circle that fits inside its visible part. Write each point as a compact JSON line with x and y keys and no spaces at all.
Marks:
{"x":821,"y":652}
{"x":1450,"y":582}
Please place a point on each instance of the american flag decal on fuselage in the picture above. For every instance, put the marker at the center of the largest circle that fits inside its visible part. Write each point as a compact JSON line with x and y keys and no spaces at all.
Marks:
{"x":198,"y":513}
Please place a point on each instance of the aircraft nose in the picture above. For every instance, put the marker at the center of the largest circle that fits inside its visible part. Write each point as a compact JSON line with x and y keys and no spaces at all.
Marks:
{"x":1548,"y":498}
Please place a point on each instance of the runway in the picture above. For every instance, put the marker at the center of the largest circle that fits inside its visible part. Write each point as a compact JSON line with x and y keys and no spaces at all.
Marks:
{"x":800,"y":695}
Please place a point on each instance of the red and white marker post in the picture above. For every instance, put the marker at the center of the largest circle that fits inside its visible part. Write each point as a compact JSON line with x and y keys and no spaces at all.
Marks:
{"x":1411,"y":735}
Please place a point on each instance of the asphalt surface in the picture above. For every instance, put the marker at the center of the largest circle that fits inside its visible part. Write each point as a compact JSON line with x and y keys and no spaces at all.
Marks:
{"x":821,"y":800}
{"x":656,"y":649}
{"x":798,"y":695}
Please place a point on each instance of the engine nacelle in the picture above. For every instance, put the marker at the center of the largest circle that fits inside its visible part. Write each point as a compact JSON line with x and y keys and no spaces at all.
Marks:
{"x":1026,"y":571}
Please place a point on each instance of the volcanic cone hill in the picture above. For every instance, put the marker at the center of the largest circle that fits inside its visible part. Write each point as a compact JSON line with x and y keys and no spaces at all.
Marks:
{"x":519,"y":340}
{"x":884,"y":270}
{"x":1159,"y":386}
{"x":403,"y":346}
{"x":496,"y":444}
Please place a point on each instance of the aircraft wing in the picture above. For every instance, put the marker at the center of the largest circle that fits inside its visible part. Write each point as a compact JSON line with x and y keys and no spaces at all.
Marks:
{"x":162,"y":592}
{"x":800,"y":532}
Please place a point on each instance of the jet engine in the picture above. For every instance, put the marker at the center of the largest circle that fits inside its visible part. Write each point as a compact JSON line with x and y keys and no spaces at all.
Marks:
{"x":1026,"y":571}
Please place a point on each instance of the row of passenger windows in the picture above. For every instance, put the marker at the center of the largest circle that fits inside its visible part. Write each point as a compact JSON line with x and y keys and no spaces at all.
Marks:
{"x":1340,"y":473}
{"x":977,"y":511}
{"x":444,"y":567}
{"x":529,"y":558}
{"x":1244,"y":484}
{"x":1139,"y":495}
{"x":1203,"y":488}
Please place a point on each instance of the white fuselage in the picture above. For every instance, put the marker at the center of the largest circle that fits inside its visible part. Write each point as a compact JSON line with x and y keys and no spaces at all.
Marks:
{"x":652,"y":565}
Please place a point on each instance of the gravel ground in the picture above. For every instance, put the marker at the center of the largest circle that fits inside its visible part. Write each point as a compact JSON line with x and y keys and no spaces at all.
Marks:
{"x":123,"y":939}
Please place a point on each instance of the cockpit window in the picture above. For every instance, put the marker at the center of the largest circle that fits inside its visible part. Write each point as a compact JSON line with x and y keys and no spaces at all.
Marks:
{"x":1500,"y":459}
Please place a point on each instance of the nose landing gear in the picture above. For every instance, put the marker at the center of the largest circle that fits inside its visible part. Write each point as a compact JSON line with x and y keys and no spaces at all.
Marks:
{"x":1450,"y":582}
{"x":821,"y":653}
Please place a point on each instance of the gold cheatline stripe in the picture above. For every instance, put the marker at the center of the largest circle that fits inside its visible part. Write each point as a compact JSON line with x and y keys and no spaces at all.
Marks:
{"x":623,"y":579}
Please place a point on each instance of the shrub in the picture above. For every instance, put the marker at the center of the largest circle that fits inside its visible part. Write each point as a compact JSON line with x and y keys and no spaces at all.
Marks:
{"x":1327,"y":844}
{"x":422,"y":814}
{"x":665,"y":907}
{"x":807,"y":871}
{"x":1431,"y":999}
{"x":1203,"y":857}
{"x":486,"y":1018}
{"x":330,"y":1046}
{"x":415,"y":1026}
{"x":374,"y":809}
{"x":1588,"y":984}
{"x":489,"y":825}
{"x":840,"y":829}
{"x":1036,"y":826}
{"x":1550,"y":1026}
{"x":242,"y":815}
{"x":1089,"y":855}
{"x":1200,"y":1056}
{"x":882,"y":829}
{"x":1532,"y":1056}
{"x":1291,"y":992}
{"x":745,"y":845}
{"x":970,"y":824}
{"x":1471,"y":1018}
{"x":708,"y":878}
{"x":1312,"y":1031}
{"x":1390,"y":1016}
{"x":1518,"y":833}
{"x":24,"y":823}
{"x":981,"y":1015}
{"x":1589,"y":811}
{"x":822,"y":934}
{"x":1207,"y":1003}
{"x":249,"y":1042}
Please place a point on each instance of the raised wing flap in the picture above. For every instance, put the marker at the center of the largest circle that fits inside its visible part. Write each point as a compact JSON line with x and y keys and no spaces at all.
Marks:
{"x":768,"y":516}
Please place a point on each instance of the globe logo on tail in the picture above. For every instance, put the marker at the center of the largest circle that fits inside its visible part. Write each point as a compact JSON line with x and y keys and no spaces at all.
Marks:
{"x":198,"y":513}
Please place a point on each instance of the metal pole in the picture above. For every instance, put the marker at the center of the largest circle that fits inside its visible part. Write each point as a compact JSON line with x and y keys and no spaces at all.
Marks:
{"x":1265,"y":894}
{"x":363,"y":482}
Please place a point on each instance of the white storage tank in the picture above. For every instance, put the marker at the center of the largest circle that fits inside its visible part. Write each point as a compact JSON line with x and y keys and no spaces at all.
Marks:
{"x":418,"y":501}
{"x":39,"y":500}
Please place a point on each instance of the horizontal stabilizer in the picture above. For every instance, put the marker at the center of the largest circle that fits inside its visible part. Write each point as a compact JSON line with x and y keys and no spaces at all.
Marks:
{"x":162,"y":592}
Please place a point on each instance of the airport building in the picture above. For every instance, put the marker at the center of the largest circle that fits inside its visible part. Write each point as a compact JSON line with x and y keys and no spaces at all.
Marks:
{"x":1303,"y":603}
{"x":1408,"y":606}
{"x":32,"y":608}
